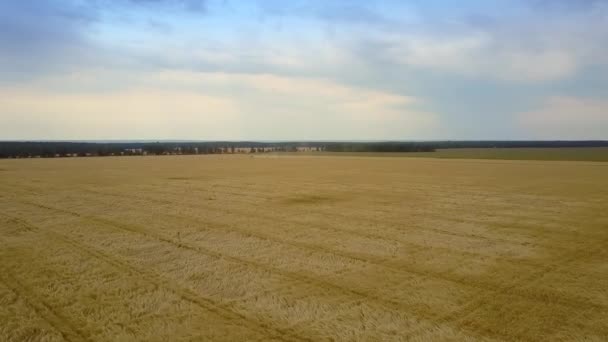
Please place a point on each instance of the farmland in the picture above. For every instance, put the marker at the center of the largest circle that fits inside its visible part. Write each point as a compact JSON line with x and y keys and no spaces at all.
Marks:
{"x":526,"y":153}
{"x":564,"y":153}
{"x":292,"y":248}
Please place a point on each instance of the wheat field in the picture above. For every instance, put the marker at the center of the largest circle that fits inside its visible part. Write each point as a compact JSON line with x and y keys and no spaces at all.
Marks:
{"x":240,"y":248}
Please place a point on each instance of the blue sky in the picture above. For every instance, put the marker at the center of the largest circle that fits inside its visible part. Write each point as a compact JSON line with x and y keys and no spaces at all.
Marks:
{"x":398,"y":70}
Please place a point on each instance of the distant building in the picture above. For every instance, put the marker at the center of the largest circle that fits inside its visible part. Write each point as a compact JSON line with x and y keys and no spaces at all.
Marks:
{"x":134,"y":150}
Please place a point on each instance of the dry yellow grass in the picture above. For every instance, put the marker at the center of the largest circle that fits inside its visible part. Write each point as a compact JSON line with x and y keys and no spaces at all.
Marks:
{"x":302,"y":248}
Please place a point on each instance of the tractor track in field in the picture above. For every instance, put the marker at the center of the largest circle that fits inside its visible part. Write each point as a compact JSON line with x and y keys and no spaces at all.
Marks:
{"x":373,"y":221}
{"x":384,"y":263}
{"x":62,"y":325}
{"x":155,"y":280}
{"x":471,"y":307}
{"x":421,"y":311}
{"x":426,"y":215}
{"x":439,"y":191}
{"x":356,"y":233}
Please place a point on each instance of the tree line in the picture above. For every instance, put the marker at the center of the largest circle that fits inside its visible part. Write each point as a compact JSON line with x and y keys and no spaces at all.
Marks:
{"x":41,"y":149}
{"x":87,"y":149}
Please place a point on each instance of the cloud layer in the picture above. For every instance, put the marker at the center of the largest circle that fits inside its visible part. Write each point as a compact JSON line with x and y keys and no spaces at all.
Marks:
{"x":302,"y":70}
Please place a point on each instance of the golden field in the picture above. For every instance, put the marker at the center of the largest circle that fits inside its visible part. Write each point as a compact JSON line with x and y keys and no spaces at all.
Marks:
{"x":288,"y":248}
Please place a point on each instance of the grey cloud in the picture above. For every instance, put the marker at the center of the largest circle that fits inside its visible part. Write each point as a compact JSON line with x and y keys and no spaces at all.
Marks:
{"x":41,"y":35}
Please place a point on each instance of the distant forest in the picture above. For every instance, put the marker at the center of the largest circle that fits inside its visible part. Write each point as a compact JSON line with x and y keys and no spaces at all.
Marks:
{"x":86,"y":149}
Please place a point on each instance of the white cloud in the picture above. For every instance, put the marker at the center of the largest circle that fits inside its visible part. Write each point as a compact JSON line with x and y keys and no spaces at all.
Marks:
{"x":481,"y":55}
{"x":192,"y":105}
{"x":45,"y":114}
{"x":314,"y":107}
{"x":567,"y":118}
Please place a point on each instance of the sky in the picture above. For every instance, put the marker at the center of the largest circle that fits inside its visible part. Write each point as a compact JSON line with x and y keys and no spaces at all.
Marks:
{"x":303,"y":70}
